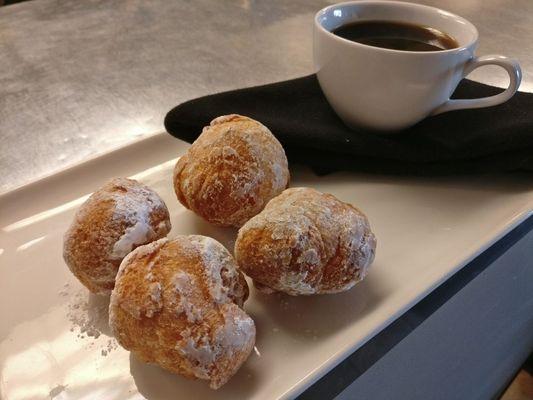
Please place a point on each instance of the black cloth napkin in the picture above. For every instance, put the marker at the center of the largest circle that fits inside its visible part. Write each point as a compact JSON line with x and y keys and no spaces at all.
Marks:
{"x":491,"y":139}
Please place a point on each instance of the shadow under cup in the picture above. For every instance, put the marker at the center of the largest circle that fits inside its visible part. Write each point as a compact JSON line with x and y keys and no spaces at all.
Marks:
{"x":384,"y":89}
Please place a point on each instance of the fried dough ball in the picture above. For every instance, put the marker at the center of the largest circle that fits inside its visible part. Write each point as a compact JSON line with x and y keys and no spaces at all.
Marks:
{"x":118,"y":217}
{"x":177,"y":303}
{"x":306,"y":242}
{"x":231,"y":171}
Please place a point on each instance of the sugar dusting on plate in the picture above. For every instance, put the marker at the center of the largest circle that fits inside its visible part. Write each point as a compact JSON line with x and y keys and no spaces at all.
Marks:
{"x":88,"y":317}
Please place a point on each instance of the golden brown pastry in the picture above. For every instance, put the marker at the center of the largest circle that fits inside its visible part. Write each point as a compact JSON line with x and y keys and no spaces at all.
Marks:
{"x":176,"y":303}
{"x":231,"y":171}
{"x":306,"y":242}
{"x":115,"y":219}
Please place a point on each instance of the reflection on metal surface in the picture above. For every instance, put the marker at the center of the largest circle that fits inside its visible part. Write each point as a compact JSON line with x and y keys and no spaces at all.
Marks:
{"x":245,"y":4}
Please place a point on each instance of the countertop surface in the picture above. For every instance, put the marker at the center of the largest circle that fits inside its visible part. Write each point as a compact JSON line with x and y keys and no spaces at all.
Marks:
{"x":78,"y":79}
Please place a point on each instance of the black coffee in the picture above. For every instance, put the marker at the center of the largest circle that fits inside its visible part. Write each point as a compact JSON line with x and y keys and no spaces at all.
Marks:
{"x":397,"y":36}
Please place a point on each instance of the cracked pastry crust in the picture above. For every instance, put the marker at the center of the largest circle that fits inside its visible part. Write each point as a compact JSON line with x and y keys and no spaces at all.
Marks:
{"x":177,"y":303}
{"x":231,"y":171}
{"x":118,"y":217}
{"x":306,"y":242}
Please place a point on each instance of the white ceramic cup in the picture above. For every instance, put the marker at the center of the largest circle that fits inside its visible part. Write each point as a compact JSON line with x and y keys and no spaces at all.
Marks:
{"x":390,"y":90}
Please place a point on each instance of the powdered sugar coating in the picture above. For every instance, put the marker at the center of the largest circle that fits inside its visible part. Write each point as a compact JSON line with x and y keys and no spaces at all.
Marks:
{"x":221,"y":270}
{"x":306,"y":242}
{"x":201,"y":351}
{"x":186,"y":285}
{"x":115,"y":219}
{"x":177,"y":303}
{"x":141,"y":232}
{"x":231,"y":171}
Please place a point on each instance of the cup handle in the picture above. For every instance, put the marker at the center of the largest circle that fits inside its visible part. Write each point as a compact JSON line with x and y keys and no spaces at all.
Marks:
{"x":515,"y":76}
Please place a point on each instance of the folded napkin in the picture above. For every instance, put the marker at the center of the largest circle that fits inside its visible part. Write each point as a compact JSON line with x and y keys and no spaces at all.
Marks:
{"x":491,"y":139}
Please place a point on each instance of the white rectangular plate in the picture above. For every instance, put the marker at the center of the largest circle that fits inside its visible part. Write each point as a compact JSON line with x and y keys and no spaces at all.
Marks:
{"x":54,"y":339}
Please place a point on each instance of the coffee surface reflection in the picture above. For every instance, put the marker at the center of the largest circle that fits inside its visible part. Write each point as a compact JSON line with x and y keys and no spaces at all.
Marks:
{"x":397,"y":36}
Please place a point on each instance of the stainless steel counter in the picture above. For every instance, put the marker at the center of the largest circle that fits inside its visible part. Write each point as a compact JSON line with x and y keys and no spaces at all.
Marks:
{"x":80,"y":78}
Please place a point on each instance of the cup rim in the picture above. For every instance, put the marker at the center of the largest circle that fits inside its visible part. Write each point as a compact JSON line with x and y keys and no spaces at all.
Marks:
{"x":403,"y":4}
